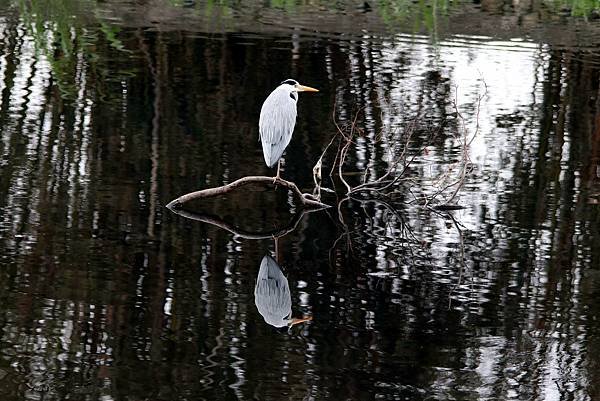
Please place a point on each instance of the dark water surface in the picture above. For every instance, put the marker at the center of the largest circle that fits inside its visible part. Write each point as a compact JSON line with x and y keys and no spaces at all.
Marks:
{"x":108,"y":111}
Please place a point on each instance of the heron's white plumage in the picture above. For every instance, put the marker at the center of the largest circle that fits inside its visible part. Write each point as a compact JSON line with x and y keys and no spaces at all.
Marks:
{"x":277,"y":121}
{"x":272,"y":294}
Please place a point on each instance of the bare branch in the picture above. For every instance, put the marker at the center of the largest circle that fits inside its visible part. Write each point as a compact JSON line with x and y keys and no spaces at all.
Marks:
{"x":307,"y":199}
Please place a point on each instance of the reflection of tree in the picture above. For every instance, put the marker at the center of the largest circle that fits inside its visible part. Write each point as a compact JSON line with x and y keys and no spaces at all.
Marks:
{"x":75,"y":51}
{"x":80,"y":180}
{"x":551,"y":197}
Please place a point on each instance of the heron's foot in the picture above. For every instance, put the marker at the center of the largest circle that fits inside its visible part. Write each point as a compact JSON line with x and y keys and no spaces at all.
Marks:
{"x":311,"y":197}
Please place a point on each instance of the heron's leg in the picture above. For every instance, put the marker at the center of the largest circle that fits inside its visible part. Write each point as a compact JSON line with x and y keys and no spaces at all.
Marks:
{"x":277,"y":258}
{"x":278,"y":176}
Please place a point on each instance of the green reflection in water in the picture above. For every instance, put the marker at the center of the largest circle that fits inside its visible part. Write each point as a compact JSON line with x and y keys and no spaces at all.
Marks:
{"x":422,"y":13}
{"x":72,"y":39}
{"x":577,"y":8}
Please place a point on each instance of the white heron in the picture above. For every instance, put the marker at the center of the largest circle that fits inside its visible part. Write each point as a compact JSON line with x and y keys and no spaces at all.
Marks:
{"x":272,"y":295}
{"x":277,"y":120}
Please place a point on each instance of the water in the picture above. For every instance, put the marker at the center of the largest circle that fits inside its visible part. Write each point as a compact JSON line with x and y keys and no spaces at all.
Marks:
{"x":109,"y":111}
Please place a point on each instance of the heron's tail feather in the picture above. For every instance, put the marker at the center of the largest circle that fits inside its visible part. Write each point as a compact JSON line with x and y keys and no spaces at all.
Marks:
{"x":270,"y":270}
{"x":271,"y":154}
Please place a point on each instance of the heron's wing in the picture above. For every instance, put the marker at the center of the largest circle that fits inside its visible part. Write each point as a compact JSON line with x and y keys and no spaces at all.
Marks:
{"x":272,"y":293}
{"x":276,"y":124}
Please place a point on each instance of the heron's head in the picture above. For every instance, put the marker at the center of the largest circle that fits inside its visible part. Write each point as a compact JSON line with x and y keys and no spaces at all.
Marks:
{"x":293,"y":86}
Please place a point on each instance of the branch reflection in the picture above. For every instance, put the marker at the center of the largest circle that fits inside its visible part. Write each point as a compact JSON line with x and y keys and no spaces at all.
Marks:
{"x":243,"y":233}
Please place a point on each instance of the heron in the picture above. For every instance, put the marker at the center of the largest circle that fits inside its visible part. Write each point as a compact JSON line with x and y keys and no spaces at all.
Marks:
{"x":277,"y":120}
{"x":272,"y":295}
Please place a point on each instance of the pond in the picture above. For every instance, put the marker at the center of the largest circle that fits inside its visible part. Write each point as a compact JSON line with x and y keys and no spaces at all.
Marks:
{"x":475,"y":276}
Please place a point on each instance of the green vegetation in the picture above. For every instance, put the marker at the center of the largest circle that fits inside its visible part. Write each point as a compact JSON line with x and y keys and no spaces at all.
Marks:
{"x":73,"y":37}
{"x":73,"y":40}
{"x":577,"y":8}
{"x":421,"y":14}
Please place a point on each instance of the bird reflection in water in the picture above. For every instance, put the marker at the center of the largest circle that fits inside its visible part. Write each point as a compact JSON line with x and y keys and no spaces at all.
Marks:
{"x":272,"y":295}
{"x":272,"y":292}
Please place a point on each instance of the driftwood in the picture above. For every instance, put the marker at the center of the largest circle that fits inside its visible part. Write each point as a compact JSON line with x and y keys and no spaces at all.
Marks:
{"x":308,"y":200}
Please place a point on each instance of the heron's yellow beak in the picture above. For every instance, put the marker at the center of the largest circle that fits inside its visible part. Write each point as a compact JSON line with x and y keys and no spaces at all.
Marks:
{"x":302,"y":88}
{"x":304,"y":319}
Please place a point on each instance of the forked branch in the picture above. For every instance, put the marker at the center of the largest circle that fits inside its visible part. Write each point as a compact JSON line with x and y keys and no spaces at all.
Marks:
{"x":307,"y":200}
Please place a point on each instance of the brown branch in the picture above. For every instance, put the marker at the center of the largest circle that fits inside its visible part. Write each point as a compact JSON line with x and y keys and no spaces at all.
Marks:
{"x":307,"y":199}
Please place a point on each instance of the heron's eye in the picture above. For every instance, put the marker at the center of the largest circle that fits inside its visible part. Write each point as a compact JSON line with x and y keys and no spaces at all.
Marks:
{"x":289,"y":82}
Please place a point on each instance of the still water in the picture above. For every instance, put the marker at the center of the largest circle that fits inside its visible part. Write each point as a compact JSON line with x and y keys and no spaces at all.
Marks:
{"x":110,"y":110}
